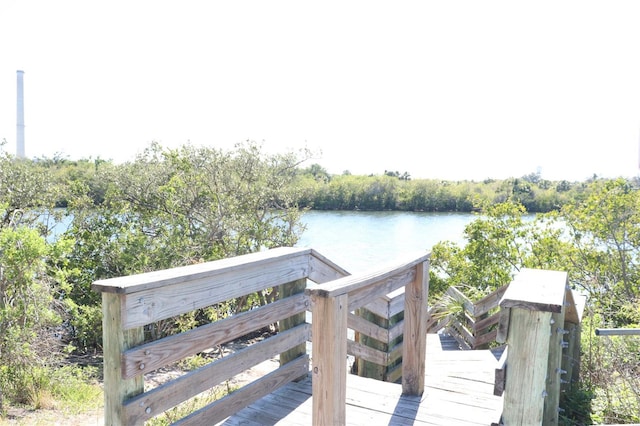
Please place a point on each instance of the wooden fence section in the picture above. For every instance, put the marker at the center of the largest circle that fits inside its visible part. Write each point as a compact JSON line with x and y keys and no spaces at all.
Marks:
{"x":130,"y":303}
{"x":476,"y":326}
{"x":540,"y":310}
{"x":377,"y":346}
{"x":331,"y":304}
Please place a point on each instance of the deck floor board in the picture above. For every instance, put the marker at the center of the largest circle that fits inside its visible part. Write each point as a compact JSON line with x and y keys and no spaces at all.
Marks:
{"x":458,"y":391}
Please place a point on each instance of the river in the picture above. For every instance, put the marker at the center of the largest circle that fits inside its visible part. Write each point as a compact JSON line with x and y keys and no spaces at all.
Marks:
{"x":358,"y":240}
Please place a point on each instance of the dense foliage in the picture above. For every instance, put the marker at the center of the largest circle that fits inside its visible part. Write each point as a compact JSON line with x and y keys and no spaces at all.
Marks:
{"x":171,"y":207}
{"x":593,"y":238}
{"x":393,"y":191}
{"x":166,"y":208}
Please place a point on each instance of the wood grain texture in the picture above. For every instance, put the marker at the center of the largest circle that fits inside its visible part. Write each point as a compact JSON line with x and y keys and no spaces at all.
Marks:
{"x":174,"y":392}
{"x":115,"y":341}
{"x":239,"y":399}
{"x":536,"y":289}
{"x":554,"y":372}
{"x":329,"y":359}
{"x":376,"y":289}
{"x":458,"y":392}
{"x":353,"y":283}
{"x":489,"y":302}
{"x":151,"y":356}
{"x":152,"y":305}
{"x":525,"y":388}
{"x":201,"y":271}
{"x":290,"y":320}
{"x":415,"y":331}
{"x":322,"y":270}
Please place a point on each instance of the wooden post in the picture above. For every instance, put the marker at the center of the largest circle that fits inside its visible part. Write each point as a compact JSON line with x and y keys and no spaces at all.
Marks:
{"x":284,"y":291}
{"x":574,"y":353}
{"x":367,"y":368}
{"x":555,"y":373}
{"x":329,"y":379}
{"x":370,"y":369}
{"x":536,"y":302}
{"x":115,"y":341}
{"x":573,"y":324}
{"x":414,"y":345}
{"x":525,"y":387}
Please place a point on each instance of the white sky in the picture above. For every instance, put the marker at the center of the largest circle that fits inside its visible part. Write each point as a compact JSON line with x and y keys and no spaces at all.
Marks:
{"x":448,"y":89}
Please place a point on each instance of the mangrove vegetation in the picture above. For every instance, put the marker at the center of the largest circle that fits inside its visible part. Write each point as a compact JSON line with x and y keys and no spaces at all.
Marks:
{"x":66,"y":223}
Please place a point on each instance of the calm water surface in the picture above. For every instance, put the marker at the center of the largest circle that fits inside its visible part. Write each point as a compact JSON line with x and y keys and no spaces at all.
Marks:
{"x":359,"y":241}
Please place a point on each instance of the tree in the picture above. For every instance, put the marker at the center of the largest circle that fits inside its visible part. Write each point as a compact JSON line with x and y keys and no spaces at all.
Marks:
{"x":173,"y":207}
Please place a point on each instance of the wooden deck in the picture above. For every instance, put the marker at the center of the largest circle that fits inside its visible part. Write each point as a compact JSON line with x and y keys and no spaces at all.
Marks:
{"x":459,"y":391}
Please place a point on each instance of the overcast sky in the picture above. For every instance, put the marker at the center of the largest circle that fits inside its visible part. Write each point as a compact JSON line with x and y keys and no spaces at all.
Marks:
{"x":448,"y":89}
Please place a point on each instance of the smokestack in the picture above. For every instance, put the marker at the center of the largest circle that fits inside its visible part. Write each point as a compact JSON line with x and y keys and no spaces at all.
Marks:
{"x":20,"y":116}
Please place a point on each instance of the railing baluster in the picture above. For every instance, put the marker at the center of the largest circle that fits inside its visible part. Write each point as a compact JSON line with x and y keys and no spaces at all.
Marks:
{"x":329,"y":334}
{"x":115,"y":341}
{"x":415,"y":332}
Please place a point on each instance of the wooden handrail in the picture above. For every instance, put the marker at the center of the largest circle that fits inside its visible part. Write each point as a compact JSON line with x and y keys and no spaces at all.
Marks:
{"x":130,"y":303}
{"x":477,"y":326}
{"x":331,"y":304}
{"x":373,"y":279}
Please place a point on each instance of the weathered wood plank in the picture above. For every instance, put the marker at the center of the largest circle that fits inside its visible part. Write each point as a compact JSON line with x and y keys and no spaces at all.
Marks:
{"x":152,"y":305}
{"x":501,"y":374}
{"x":554,"y":372}
{"x":462,"y":335}
{"x":415,"y":331}
{"x":239,"y":399}
{"x":151,"y":356}
{"x":361,"y":325}
{"x":158,"y":400}
{"x":489,"y":302}
{"x":322,"y":270}
{"x":503,"y":325}
{"x":329,"y":358}
{"x":528,"y":341}
{"x":291,"y":320}
{"x":353,"y":283}
{"x":389,"y":305}
{"x":536,"y":289}
{"x":201,"y":271}
{"x":364,"y":295}
{"x":366,"y":353}
{"x":396,"y":330}
{"x":116,"y":341}
{"x":486,"y":322}
{"x":449,"y":398}
{"x":485,"y":338}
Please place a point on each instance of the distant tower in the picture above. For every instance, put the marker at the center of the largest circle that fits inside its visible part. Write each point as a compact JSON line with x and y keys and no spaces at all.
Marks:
{"x":20,"y":116}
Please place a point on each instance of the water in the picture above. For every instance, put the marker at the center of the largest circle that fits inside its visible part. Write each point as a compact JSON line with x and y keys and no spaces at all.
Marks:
{"x":359,"y":241}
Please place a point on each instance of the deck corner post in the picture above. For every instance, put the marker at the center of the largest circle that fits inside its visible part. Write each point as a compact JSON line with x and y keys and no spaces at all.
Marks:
{"x":555,"y":374}
{"x":534,"y":338}
{"x":284,"y":291}
{"x":414,"y":346}
{"x":115,"y":341}
{"x":329,"y":358}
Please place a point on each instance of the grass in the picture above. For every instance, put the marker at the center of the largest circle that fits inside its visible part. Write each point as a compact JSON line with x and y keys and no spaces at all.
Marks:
{"x":56,"y":394}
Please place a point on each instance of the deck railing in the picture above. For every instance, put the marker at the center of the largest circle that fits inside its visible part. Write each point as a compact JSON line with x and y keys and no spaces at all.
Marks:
{"x":129,"y":303}
{"x":537,"y":311}
{"x":331,"y":306}
{"x":378,"y":329}
{"x":133,"y":302}
{"x":475,"y":326}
